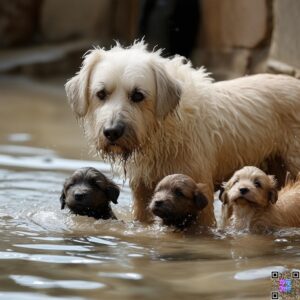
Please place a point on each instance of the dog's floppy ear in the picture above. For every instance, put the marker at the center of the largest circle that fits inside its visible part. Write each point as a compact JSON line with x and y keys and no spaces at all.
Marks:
{"x":168,"y":91}
{"x":201,"y":200}
{"x":273,"y":193}
{"x":112,"y":192}
{"x":62,"y":199}
{"x":223,"y":194}
{"x":199,"y":197}
{"x":77,"y":88}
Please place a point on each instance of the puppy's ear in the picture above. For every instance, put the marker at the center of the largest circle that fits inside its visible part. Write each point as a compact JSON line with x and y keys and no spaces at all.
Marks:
{"x":199,"y":197}
{"x":112,"y":192}
{"x":62,"y":199}
{"x":200,"y":200}
{"x":168,"y":91}
{"x":273,"y":195}
{"x":77,"y":88}
{"x":223,"y":194}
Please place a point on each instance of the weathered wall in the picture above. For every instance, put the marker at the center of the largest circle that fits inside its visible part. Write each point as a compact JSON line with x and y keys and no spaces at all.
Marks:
{"x":285,"y":46}
{"x":18,"y":21}
{"x":234,"y":23}
{"x":236,"y":37}
{"x":61,"y":20}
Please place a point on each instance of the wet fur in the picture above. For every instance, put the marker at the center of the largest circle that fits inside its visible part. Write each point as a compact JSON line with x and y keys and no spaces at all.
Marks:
{"x":96,"y":192}
{"x":178,"y":201}
{"x":261,"y":208}
{"x":187,"y":123}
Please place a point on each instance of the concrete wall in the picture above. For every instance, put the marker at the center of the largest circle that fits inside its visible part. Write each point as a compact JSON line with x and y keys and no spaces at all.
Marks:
{"x":240,"y":37}
{"x":236,"y":37}
{"x":285,"y":46}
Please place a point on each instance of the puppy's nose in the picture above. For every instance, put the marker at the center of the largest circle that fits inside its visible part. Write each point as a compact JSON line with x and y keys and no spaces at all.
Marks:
{"x":244,"y":191}
{"x":79,"y":196}
{"x":115,"y":132}
{"x":158,"y":203}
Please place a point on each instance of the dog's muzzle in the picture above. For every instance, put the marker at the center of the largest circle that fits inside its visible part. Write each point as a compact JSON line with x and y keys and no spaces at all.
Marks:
{"x":113,"y":133}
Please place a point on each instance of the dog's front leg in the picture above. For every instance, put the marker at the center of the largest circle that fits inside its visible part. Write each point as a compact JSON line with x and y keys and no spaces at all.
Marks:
{"x":141,"y":198}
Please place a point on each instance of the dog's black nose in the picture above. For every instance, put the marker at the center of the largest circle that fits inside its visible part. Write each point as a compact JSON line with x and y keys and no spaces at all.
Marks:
{"x":114,"y":133}
{"x":159,"y":203}
{"x":79,"y":196}
{"x":244,"y":191}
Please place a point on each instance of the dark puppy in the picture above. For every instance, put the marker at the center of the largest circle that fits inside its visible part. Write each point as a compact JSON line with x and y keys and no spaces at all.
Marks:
{"x":178,"y":201}
{"x":88,"y":193}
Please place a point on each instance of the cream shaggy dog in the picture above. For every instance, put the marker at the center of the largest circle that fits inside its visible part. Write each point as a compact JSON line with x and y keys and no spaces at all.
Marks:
{"x":256,"y":206}
{"x":159,"y":116}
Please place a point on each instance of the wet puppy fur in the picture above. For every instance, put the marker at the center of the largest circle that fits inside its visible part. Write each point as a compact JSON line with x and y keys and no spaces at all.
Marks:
{"x":252,"y":202}
{"x":177,"y":201}
{"x":88,"y":192}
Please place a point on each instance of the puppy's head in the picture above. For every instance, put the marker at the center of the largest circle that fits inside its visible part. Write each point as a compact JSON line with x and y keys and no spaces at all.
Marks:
{"x":89,"y":192}
{"x":121,"y":94}
{"x":250,"y":186}
{"x":177,"y":200}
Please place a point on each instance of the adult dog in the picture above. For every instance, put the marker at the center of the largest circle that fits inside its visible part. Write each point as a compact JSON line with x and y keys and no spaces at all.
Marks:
{"x":160,"y":116}
{"x":255,"y":203}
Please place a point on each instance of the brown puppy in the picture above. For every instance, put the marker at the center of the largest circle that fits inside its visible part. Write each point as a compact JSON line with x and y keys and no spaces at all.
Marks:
{"x":255,"y":205}
{"x":177,"y":200}
{"x":88,"y":193}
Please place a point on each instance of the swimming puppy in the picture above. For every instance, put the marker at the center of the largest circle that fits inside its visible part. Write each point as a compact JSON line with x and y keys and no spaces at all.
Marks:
{"x":256,"y":205}
{"x":177,"y":200}
{"x":88,"y":192}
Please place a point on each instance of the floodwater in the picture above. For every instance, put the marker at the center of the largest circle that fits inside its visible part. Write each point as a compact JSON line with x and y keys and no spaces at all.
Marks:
{"x":47,"y":253}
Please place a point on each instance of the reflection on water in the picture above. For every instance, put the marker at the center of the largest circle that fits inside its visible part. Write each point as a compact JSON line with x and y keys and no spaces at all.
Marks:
{"x":47,"y":253}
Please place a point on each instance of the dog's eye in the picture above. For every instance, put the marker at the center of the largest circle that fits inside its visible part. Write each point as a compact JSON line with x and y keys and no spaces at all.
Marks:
{"x":101,"y":94}
{"x":257,"y":183}
{"x":178,"y":192}
{"x":137,"y":96}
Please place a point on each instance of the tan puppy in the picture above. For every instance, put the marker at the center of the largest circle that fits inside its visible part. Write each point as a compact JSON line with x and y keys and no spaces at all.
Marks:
{"x":178,"y":201}
{"x":155,"y":116}
{"x":251,"y":202}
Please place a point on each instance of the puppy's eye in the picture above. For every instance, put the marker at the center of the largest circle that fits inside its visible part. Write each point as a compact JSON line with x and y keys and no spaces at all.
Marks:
{"x":96,"y":184}
{"x":178,"y":192}
{"x":137,"y":96}
{"x":101,"y":94}
{"x":257,"y":183}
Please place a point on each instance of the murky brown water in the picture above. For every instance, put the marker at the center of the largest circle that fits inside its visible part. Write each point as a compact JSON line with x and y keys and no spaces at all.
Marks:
{"x":46,"y":253}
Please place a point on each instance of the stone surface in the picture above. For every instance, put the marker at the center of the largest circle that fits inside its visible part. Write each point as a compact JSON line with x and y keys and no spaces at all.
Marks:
{"x":285,"y":46}
{"x":225,"y":64}
{"x":234,"y":23}
{"x":61,"y":20}
{"x":18,"y":21}
{"x":125,"y":20}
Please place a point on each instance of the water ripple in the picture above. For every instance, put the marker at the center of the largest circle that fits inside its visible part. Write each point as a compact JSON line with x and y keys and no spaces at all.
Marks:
{"x":33,"y":296}
{"x":128,"y":276}
{"x":54,"y":247}
{"x":258,"y":273}
{"x":48,"y":258}
{"x":40,"y":282}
